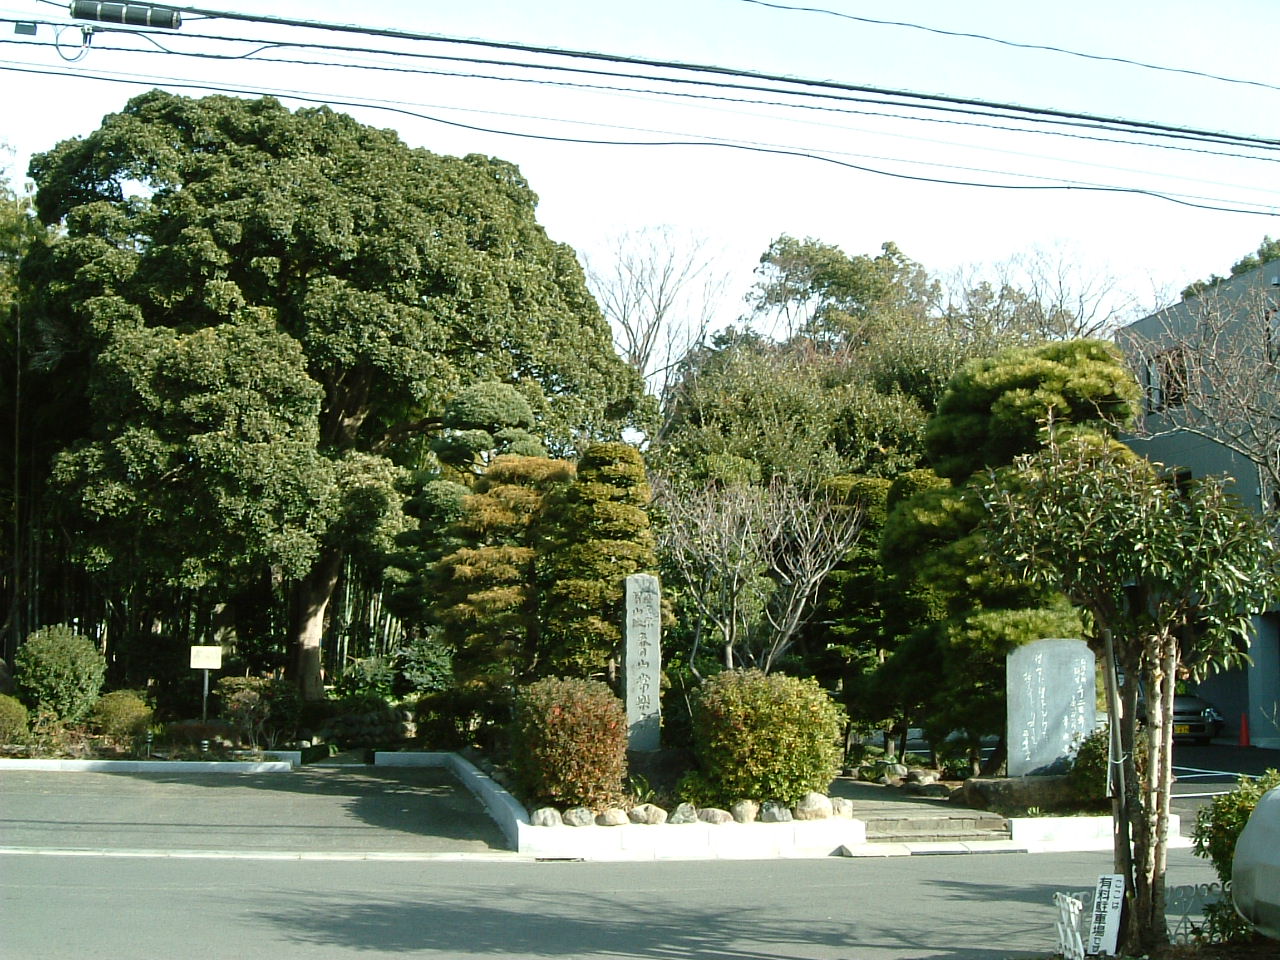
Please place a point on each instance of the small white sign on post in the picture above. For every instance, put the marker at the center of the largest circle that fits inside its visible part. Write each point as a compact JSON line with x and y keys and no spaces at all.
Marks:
{"x":1104,"y":922}
{"x":206,"y":659}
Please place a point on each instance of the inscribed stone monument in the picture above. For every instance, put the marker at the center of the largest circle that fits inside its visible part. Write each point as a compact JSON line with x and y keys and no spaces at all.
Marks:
{"x":1051,"y":692}
{"x":643,"y":658}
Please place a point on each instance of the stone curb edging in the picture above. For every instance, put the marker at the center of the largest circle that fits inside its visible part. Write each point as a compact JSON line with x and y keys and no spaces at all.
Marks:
{"x":153,"y":766}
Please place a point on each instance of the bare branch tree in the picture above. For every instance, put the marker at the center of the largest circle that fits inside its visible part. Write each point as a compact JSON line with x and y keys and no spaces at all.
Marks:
{"x":753,"y":558}
{"x":659,"y":292}
{"x":1211,"y":368}
{"x":1043,"y":294}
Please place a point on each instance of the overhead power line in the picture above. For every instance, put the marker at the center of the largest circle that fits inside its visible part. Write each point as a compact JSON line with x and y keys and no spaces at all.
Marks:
{"x":678,"y":66}
{"x":1197,"y":203}
{"x":265,"y":45}
{"x":1014,"y":43}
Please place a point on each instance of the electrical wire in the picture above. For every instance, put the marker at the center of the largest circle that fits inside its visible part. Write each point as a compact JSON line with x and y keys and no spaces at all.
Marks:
{"x":1202,"y":136}
{"x":776,"y":151}
{"x":1013,"y":43}
{"x":712,"y":69}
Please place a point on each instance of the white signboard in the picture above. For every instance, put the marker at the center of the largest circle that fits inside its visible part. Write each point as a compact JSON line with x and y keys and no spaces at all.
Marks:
{"x":1104,"y":923}
{"x":206,"y":658}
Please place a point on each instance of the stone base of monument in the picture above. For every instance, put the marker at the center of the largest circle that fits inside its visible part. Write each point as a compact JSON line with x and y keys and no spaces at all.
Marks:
{"x":1010,"y":793}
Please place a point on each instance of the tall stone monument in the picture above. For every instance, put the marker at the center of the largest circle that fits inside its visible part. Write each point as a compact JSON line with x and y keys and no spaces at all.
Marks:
{"x":642,"y":661}
{"x":1052,"y":693}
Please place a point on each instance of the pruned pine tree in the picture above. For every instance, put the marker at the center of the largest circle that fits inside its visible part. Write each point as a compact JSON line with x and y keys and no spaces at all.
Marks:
{"x":487,"y":589}
{"x":596,"y":533}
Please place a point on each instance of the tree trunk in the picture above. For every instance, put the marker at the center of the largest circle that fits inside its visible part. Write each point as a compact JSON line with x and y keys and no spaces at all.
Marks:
{"x":314,"y":593}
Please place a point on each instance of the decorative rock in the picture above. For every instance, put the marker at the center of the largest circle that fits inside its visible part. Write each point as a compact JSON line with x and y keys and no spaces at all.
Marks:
{"x":545,"y":817}
{"x":647,"y":813}
{"x":578,"y":817}
{"x":921,"y":776}
{"x":895,"y":771}
{"x":612,"y":817}
{"x":842,"y":807}
{"x":812,"y":806}
{"x":774,"y":812}
{"x":745,"y":811}
{"x":684,"y":813}
{"x":938,"y":790}
{"x":714,"y":815}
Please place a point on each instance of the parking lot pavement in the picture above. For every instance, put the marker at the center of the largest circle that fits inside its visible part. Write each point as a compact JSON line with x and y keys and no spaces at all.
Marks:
{"x":1201,"y":772}
{"x":328,"y":811}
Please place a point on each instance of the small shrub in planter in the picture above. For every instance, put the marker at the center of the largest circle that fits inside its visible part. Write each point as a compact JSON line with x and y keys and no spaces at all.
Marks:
{"x":569,"y":743}
{"x":13,"y":720}
{"x":766,"y":736}
{"x":122,"y":714}
{"x":59,"y":671}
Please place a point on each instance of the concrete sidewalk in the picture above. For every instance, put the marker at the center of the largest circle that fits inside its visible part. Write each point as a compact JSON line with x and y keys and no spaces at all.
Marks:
{"x":345,"y":812}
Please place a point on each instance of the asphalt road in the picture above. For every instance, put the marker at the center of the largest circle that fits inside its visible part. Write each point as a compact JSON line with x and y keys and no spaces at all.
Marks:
{"x":59,"y":907}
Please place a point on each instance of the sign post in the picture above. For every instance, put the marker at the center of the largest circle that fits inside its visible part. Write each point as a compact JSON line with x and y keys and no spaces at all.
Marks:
{"x":206,"y":659}
{"x":1104,"y":924}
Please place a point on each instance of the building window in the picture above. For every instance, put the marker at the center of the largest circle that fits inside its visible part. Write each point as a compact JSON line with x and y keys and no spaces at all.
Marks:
{"x":1166,"y":377}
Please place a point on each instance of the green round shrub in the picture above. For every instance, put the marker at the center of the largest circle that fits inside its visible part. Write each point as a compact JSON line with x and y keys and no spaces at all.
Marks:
{"x":122,"y":714}
{"x":13,"y":719}
{"x":569,"y":743}
{"x":60,"y":671}
{"x":766,"y":736}
{"x":1087,"y":775}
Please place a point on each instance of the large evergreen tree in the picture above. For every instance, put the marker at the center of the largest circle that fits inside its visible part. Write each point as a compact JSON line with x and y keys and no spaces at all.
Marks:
{"x":368,"y":279}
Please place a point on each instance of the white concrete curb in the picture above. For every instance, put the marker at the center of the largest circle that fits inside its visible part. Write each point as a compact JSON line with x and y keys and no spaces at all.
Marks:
{"x":692,"y":841}
{"x":1068,"y":834}
{"x":152,"y":766}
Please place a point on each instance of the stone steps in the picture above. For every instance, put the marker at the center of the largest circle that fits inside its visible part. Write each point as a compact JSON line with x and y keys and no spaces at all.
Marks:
{"x":965,"y":825}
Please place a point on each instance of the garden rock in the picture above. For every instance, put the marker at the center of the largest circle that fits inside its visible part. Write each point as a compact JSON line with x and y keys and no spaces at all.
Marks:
{"x":745,"y":811}
{"x":578,"y":817}
{"x":921,"y":776}
{"x":613,"y":817}
{"x":774,"y":812}
{"x":812,"y":806}
{"x":714,"y":815}
{"x":842,"y":807}
{"x":684,"y":813}
{"x":648,"y":813}
{"x":545,"y":817}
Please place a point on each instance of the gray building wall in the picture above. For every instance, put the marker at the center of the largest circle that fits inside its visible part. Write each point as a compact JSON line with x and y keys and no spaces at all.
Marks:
{"x":1254,"y":691}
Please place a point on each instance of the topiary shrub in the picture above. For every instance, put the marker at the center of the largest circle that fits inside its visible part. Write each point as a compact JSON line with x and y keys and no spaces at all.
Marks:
{"x":122,"y":714}
{"x":59,"y":671}
{"x":1218,"y":827}
{"x":569,"y":743}
{"x":766,"y":736}
{"x":13,"y":720}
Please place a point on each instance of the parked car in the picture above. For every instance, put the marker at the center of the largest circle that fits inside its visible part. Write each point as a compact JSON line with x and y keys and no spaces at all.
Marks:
{"x":1195,"y":719}
{"x":1255,"y":871}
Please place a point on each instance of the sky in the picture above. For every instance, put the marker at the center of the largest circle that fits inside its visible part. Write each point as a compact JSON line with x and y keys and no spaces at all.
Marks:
{"x":827,"y":168}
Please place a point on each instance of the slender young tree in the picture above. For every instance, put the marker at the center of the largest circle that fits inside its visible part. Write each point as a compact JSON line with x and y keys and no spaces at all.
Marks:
{"x":1169,"y":578}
